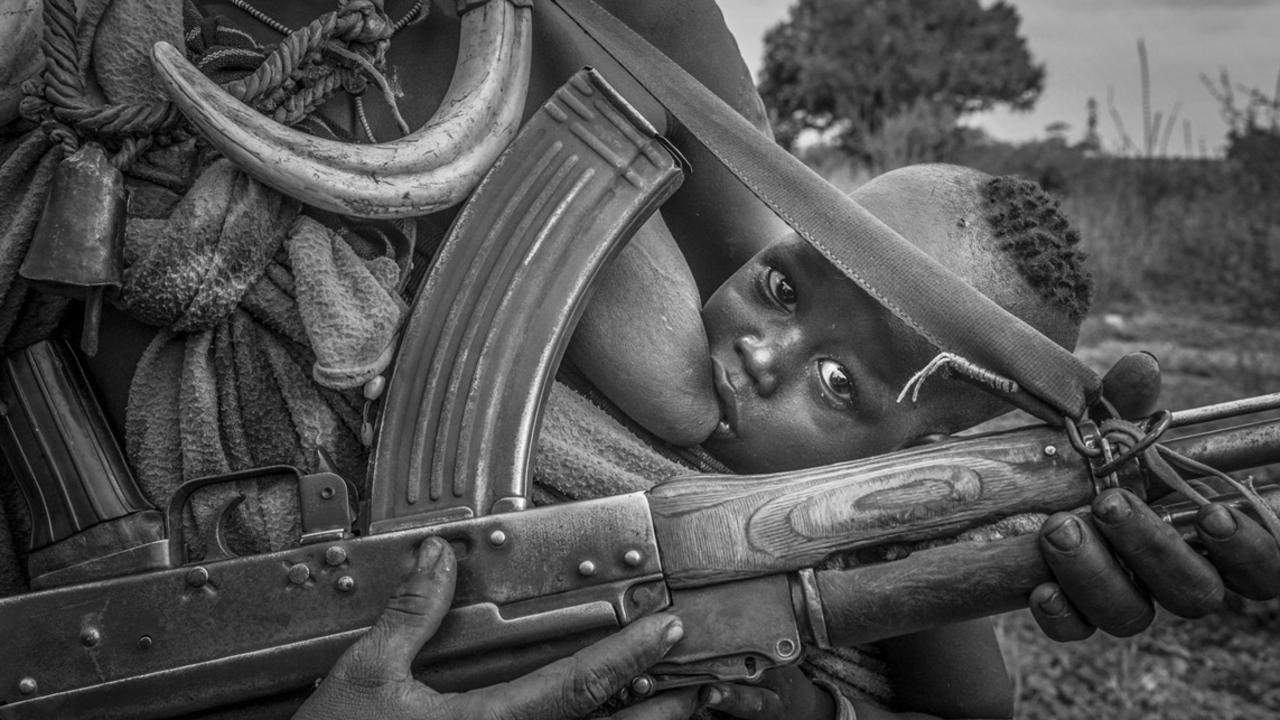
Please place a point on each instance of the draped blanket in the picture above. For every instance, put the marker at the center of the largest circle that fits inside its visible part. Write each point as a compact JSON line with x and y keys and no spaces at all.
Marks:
{"x":271,"y":322}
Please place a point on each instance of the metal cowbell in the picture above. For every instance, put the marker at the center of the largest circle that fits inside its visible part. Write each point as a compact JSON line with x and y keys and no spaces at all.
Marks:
{"x":77,"y":246}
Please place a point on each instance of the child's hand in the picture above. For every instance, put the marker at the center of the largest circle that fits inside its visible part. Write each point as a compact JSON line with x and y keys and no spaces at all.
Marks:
{"x":783,"y":694}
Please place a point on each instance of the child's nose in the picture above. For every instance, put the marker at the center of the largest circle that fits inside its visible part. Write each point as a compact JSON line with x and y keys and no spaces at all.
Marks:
{"x":761,"y":359}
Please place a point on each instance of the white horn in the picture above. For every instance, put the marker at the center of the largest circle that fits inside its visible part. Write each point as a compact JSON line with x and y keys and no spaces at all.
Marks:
{"x":428,"y":170}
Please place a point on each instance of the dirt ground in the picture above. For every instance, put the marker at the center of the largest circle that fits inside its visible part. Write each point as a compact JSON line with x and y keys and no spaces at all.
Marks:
{"x":1223,"y":666}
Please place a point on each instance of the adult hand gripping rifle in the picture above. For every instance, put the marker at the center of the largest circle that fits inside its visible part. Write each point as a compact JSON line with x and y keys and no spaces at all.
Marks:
{"x":145,"y":631}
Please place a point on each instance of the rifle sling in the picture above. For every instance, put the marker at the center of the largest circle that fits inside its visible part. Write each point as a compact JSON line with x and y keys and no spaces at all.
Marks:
{"x":932,"y":300}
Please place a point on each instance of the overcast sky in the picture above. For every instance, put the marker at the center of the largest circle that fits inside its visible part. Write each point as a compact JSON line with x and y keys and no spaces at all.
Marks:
{"x":1089,"y":46}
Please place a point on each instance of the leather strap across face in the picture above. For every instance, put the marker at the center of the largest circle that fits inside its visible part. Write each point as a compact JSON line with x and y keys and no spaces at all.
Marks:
{"x":947,"y":311}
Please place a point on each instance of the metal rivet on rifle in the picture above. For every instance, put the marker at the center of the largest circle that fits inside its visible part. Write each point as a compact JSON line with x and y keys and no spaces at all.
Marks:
{"x":197,"y":577}
{"x":299,"y":573}
{"x":326,"y":493}
{"x":497,"y":538}
{"x":786,"y":648}
{"x":586,"y":568}
{"x":633,"y":558}
{"x":1050,"y":450}
{"x":642,"y":685}
{"x":346,"y":583}
{"x":373,"y":389}
{"x":90,"y":637}
{"x":28,"y":686}
{"x":144,"y":642}
{"x":335,"y":555}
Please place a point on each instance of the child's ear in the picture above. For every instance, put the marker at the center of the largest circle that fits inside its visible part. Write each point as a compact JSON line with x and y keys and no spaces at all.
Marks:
{"x":927,"y":439}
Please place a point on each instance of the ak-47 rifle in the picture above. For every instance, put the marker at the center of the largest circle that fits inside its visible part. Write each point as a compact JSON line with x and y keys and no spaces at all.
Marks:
{"x":147,"y":631}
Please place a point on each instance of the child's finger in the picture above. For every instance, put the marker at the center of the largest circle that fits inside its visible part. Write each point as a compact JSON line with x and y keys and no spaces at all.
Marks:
{"x":1094,"y":581}
{"x":1242,"y":551}
{"x":1182,"y":581}
{"x":412,"y":616}
{"x":1056,"y":616}
{"x":743,"y":701}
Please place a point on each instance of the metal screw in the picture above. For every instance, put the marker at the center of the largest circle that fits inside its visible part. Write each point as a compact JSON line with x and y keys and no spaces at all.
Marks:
{"x":90,"y":637}
{"x":197,"y":577}
{"x":28,"y":686}
{"x":786,"y":648}
{"x":1050,"y":450}
{"x":144,"y":642}
{"x":335,"y":555}
{"x":326,"y":493}
{"x":642,"y":685}
{"x":346,"y":583}
{"x":633,"y":558}
{"x":299,"y":573}
{"x":586,"y":568}
{"x":497,"y":538}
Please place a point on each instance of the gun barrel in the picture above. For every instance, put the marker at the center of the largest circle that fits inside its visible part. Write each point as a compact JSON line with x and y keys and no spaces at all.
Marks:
{"x":1235,"y":448}
{"x":1224,"y":410}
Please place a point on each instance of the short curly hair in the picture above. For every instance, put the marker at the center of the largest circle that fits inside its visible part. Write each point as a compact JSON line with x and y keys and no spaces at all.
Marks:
{"x":1027,"y":225}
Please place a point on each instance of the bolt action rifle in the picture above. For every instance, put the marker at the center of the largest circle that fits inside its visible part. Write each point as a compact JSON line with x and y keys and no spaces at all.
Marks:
{"x":126,"y":624}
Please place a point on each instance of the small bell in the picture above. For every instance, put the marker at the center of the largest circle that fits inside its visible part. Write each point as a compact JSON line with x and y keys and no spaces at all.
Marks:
{"x":77,"y":249}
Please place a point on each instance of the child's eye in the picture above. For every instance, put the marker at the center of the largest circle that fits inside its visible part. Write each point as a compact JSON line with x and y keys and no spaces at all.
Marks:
{"x":836,"y":378}
{"x":780,"y":287}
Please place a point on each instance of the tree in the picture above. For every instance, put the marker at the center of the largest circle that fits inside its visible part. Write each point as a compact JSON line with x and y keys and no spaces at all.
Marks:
{"x":845,"y":67}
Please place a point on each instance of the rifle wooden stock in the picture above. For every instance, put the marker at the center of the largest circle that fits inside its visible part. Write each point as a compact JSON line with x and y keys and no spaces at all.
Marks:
{"x":776,"y":523}
{"x":788,"y":521}
{"x":942,"y":585}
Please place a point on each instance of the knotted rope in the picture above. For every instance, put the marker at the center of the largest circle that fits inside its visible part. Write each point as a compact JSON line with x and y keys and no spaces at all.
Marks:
{"x":341,"y":50}
{"x":59,"y":102}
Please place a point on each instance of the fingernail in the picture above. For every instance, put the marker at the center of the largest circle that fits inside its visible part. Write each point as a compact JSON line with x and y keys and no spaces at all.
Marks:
{"x":1066,"y":536}
{"x":675,"y":631}
{"x":1217,"y":522}
{"x":1113,"y":507}
{"x":432,"y":551}
{"x":712,"y":696}
{"x":1054,"y":605}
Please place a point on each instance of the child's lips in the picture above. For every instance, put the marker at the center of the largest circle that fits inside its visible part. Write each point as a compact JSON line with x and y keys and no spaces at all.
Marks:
{"x":728,"y":394}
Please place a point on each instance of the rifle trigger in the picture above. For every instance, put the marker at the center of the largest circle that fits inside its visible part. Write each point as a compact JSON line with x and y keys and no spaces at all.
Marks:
{"x":215,"y":535}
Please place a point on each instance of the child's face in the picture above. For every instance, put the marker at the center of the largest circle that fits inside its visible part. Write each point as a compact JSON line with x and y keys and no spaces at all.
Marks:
{"x":807,"y":366}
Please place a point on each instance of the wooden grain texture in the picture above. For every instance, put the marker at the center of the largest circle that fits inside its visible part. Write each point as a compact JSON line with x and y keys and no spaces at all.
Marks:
{"x":717,"y":528}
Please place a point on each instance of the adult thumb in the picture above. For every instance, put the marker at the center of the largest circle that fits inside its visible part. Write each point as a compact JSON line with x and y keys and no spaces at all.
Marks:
{"x":412,"y":616}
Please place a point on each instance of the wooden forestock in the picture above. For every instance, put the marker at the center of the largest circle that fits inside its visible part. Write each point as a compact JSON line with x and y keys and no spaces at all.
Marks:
{"x":717,"y":528}
{"x":940,"y":586}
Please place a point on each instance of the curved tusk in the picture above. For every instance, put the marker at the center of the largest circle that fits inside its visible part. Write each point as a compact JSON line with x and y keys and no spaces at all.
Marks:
{"x":428,"y":170}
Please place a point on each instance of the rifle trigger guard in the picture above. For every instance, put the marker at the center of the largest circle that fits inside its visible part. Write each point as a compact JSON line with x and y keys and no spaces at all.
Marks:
{"x":323,"y":497}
